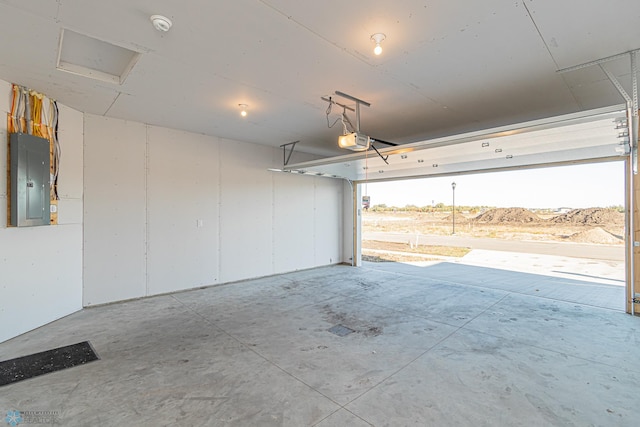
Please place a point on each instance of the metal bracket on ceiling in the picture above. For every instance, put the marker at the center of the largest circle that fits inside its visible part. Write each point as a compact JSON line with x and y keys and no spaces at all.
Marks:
{"x":346,"y":107}
{"x":331,"y":101}
{"x":631,"y":100}
{"x":358,"y":103}
{"x":286,"y":157}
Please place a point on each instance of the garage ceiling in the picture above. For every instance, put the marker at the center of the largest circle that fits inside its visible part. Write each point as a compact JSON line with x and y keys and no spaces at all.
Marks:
{"x":447,"y":67}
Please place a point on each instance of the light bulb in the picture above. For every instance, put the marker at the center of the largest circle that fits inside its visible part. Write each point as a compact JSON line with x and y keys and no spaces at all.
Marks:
{"x":243,"y":109}
{"x":378,"y":38}
{"x":243,"y":113}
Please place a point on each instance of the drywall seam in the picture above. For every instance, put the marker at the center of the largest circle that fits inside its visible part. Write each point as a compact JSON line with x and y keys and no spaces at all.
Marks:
{"x":315,"y":221}
{"x":146,"y":211}
{"x":219,"y":272}
{"x":273,"y":223}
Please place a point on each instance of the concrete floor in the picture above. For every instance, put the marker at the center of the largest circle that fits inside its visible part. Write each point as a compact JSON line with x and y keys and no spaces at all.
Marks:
{"x":428,"y":349}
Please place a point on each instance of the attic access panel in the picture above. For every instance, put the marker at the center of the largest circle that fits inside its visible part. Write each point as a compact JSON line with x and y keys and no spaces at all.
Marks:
{"x":599,"y":134}
{"x":93,"y":58}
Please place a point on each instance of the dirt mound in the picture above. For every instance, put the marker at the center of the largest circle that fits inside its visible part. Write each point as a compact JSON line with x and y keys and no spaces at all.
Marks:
{"x":499,"y":215}
{"x":595,"y":235}
{"x":459,"y":218}
{"x":590,"y":216}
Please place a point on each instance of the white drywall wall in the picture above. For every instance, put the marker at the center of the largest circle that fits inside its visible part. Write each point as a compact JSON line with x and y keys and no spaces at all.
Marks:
{"x":5,"y":106}
{"x":348,"y":223}
{"x":246,"y":220}
{"x":70,"y":179}
{"x":357,"y":225}
{"x":328,"y":216}
{"x":293,"y":216}
{"x":197,"y":210}
{"x":41,"y":267}
{"x":182,"y":214}
{"x":114,"y":210}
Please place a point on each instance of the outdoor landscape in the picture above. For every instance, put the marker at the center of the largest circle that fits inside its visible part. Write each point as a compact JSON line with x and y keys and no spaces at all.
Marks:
{"x":597,"y":226}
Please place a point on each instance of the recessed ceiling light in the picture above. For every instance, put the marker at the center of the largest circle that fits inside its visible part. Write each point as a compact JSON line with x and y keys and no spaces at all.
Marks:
{"x":161,"y":23}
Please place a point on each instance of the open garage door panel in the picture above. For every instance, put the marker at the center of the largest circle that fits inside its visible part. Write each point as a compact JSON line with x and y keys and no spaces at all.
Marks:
{"x":588,"y":136}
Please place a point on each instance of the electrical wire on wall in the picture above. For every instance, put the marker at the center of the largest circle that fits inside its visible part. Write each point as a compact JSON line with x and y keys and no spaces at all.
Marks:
{"x":35,"y":114}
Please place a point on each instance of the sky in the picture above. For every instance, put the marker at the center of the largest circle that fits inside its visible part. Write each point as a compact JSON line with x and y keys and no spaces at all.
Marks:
{"x":577,"y":186}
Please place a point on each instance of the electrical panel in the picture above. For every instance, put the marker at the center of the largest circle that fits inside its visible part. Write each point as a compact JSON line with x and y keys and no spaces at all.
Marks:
{"x":30,"y":193}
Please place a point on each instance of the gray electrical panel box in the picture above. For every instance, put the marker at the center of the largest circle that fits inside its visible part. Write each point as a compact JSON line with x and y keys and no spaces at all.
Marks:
{"x":29,"y":180}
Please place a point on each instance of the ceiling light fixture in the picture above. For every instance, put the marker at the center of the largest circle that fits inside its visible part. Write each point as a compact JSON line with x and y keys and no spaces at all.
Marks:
{"x":378,"y":38}
{"x":243,"y":109}
{"x":161,"y":23}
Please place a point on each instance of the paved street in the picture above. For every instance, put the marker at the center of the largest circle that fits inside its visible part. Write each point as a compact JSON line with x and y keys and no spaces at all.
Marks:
{"x":576,"y":250}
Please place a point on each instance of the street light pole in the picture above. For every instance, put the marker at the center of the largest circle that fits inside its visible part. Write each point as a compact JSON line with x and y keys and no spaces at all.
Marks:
{"x":453,"y":189}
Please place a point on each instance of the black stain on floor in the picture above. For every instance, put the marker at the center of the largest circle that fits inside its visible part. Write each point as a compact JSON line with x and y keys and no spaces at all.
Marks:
{"x":354,"y":322}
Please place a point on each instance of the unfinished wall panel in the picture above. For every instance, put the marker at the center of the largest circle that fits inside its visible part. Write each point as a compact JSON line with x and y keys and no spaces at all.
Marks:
{"x":348,"y":224}
{"x":5,"y":91}
{"x":41,"y":276}
{"x":167,"y":210}
{"x":294,"y":236}
{"x":246,"y":195}
{"x":40,"y":267}
{"x":182,"y":213}
{"x":114,"y":210}
{"x":70,"y":179}
{"x":328,"y":221}
{"x":71,"y":132}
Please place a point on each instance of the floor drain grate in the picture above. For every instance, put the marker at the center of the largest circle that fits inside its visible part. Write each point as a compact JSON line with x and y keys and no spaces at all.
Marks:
{"x":341,"y":331}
